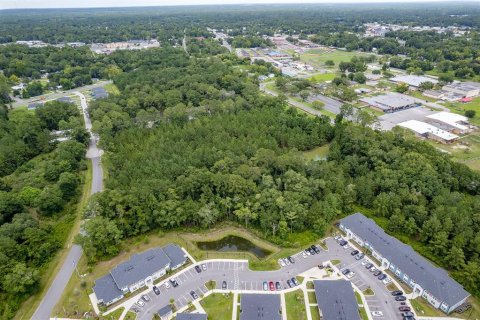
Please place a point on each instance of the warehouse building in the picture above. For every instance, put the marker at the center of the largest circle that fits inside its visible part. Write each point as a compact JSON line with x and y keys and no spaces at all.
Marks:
{"x":391,"y":102}
{"x":414,"y":82}
{"x":336,"y":300}
{"x":453,"y":122}
{"x":464,"y":89}
{"x":429,"y":131}
{"x":426,"y":280}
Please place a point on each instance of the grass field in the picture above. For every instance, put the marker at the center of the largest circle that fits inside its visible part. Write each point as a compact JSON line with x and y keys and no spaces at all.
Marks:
{"x":460,"y":108}
{"x":315,"y":313}
{"x":112,"y":89}
{"x":322,"y":77}
{"x":218,"y":306}
{"x":318,"y":57}
{"x":419,"y":95}
{"x":318,"y":153}
{"x":295,"y":305}
{"x":466,"y":150}
{"x":422,"y":308}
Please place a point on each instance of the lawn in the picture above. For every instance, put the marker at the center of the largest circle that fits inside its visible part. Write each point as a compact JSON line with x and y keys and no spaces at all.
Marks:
{"x":318,"y":153}
{"x":368,"y":292}
{"x":112,"y":89}
{"x":317,"y":57}
{"x":422,"y":308}
{"x":114,"y":315}
{"x":363,"y":313}
{"x":218,"y":306}
{"x":458,"y":107}
{"x":322,"y":77}
{"x":295,"y":305}
{"x":466,"y":150}
{"x":315,"y":313}
{"x":311,"y":297}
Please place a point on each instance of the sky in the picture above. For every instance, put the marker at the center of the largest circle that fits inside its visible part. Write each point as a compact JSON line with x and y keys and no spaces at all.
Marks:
{"x":20,"y":4}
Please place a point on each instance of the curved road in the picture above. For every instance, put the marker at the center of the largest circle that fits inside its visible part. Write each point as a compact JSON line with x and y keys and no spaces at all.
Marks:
{"x":44,"y":310}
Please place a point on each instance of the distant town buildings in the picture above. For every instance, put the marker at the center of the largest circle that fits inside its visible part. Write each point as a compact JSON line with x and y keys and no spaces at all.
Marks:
{"x":107,"y":48}
{"x":375,"y":29}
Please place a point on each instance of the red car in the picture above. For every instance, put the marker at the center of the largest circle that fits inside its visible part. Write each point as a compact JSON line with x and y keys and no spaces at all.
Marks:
{"x":272,"y":286}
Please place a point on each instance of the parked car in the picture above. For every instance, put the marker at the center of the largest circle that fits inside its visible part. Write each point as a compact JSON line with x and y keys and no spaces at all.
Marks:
{"x":315,"y":248}
{"x":272,"y":286}
{"x":365,"y":262}
{"x":342,"y":242}
{"x":294,"y":281}
{"x":287,"y":262}
{"x":198,"y":269}
{"x":382,"y":276}
{"x":354,"y":252}
{"x":368,"y":265}
{"x":359,"y":256}
{"x":312,"y":252}
{"x":281,"y":262}
{"x":174,"y":282}
{"x":320,"y":266}
{"x":265,"y":286}
{"x":290,"y":284}
{"x":278,"y":286}
{"x":377,"y":273}
{"x":351,"y":275}
{"x":336,"y":238}
{"x":194,"y":295}
{"x":140,"y":303}
{"x":145,"y":297}
{"x":347,"y":246}
{"x":345,"y":271}
{"x":167,"y":285}
{"x":304,"y":254}
{"x":404,"y":308}
{"x":400,"y":298}
{"x":373,"y":269}
{"x":397,"y":293}
{"x":156,"y":290}
{"x":408,"y":318}
{"x":408,"y":314}
{"x":204,"y":267}
{"x":387,"y":281}
{"x":291,"y":260}
{"x":224,"y":285}
{"x":377,"y":313}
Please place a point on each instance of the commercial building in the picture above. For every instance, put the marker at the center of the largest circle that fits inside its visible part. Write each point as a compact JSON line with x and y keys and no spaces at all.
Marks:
{"x":464,"y":89}
{"x":391,"y":102}
{"x":135,"y":273}
{"x":260,"y":307}
{"x":453,"y":122}
{"x":336,"y":300}
{"x":191,"y":316}
{"x":426,"y":280}
{"x":413,"y":81}
{"x":429,"y":131}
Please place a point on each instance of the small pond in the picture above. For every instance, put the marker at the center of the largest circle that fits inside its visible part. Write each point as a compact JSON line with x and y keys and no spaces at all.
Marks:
{"x":233,"y":244}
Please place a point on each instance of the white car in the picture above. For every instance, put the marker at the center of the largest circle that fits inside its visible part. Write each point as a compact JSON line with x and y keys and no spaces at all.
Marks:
{"x":365,"y":262}
{"x":140,"y":303}
{"x":281,"y":262}
{"x":373,"y":269}
{"x":307,"y":252}
{"x":386,"y":281}
{"x":167,"y":285}
{"x":350,"y":275}
{"x":204,"y":267}
{"x":304,"y":254}
{"x":286,"y":261}
{"x":377,"y":313}
{"x":346,"y":246}
{"x":337,"y":237}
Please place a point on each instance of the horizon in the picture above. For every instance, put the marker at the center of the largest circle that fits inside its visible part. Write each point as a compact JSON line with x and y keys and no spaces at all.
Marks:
{"x":105,"y":4}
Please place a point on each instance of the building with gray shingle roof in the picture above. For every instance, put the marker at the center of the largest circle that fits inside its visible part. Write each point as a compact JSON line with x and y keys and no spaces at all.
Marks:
{"x":99,"y":93}
{"x":177,"y":256}
{"x":336,"y":300}
{"x":134,"y":274}
{"x":65,"y":100}
{"x":165,"y":312}
{"x":191,"y":316}
{"x":426,"y":280}
{"x":260,"y":307}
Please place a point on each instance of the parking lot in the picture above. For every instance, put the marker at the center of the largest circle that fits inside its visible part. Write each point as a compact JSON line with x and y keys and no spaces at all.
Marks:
{"x":238,"y":277}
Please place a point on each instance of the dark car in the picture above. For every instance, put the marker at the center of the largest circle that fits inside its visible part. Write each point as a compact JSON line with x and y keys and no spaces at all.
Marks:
{"x":342,"y":243}
{"x":404,"y":308}
{"x":194,"y":294}
{"x":294,"y":281}
{"x":315,"y":248}
{"x":408,"y":318}
{"x":272,"y":286}
{"x":320,"y":266}
{"x":174,"y":282}
{"x":224,"y":285}
{"x":397,"y":293}
{"x":403,"y":304}
{"x":291,"y":260}
{"x":408,"y":314}
{"x":156,"y":290}
{"x":346,"y":271}
{"x":400,"y":298}
{"x":312,"y":252}
{"x":382,"y":276}
{"x":290,"y":284}
{"x":354,"y":252}
{"x":278,"y":286}
{"x":198,"y":269}
{"x":377,"y":273}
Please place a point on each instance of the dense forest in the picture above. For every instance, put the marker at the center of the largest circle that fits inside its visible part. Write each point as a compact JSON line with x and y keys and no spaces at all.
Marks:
{"x":39,"y":178}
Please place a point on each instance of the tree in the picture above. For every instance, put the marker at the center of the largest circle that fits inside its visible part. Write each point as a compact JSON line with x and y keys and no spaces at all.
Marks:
{"x":68,"y":183}
{"x":427,"y":85}
{"x":470,"y":113}
{"x":101,"y":239}
{"x":20,"y":280}
{"x":33,"y":89}
{"x":281,"y":83}
{"x":244,"y":213}
{"x":455,"y":258}
{"x":318,"y":105}
{"x":401,"y":87}
{"x":359,"y":77}
{"x":304,"y":94}
{"x":329,"y":63}
{"x":50,"y":200}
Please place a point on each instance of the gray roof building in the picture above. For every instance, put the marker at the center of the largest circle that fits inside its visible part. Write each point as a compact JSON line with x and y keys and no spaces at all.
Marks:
{"x":139,"y":267}
{"x":106,"y":290}
{"x":165,"y":311}
{"x":65,"y":99}
{"x":34,"y":105}
{"x":391,"y":102}
{"x":260,"y":307}
{"x":191,"y":316}
{"x":336,"y":300}
{"x":176,"y":255}
{"x":99,"y":93}
{"x":431,"y":278}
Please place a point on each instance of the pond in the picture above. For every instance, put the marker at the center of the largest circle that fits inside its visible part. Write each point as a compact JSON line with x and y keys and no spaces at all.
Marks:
{"x":233,"y":244}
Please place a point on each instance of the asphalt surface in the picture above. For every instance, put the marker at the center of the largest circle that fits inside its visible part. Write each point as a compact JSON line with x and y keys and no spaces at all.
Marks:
{"x":51,"y":298}
{"x":239,"y":277}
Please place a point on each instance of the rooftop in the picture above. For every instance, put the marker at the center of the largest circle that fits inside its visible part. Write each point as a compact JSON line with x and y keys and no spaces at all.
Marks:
{"x":431,"y":278}
{"x":412,"y":80}
{"x":451,"y":119}
{"x":423,"y":128}
{"x":165,"y":310}
{"x":176,"y":255}
{"x":260,"y":307}
{"x":336,"y":300}
{"x":191,"y":316}
{"x":105,"y":289}
{"x":390,"y":101}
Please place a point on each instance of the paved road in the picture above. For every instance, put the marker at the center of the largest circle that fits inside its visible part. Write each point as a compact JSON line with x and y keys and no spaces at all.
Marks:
{"x":239,"y":277}
{"x":52,"y":96}
{"x":55,"y":291}
{"x":331,"y":105}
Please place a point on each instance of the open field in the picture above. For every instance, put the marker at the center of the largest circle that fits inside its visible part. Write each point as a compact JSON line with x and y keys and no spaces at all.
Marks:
{"x":460,"y":108}
{"x":318,"y":153}
{"x":295,"y":305}
{"x":218,"y":306}
{"x":466,"y":150}
{"x":322,"y":77}
{"x":317,"y":57}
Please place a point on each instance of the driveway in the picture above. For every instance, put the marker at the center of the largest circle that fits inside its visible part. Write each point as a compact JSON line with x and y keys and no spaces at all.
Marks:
{"x":240,"y":278}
